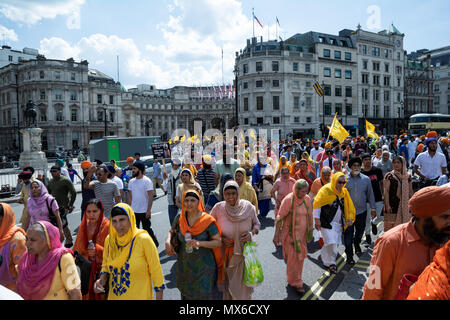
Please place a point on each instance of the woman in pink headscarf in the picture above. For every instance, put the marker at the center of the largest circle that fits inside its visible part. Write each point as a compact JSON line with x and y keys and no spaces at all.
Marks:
{"x":47,"y":271}
{"x":282,"y":187}
{"x":297,"y":218}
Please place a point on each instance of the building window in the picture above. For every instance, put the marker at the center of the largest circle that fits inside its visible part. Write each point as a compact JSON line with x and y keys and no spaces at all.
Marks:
{"x":399,"y":70}
{"x":364,"y":49}
{"x":99,"y":115}
{"x":245,"y":85}
{"x":348,"y":109}
{"x":327,"y":109}
{"x":399,"y":82}
{"x":377,"y":111}
{"x":259,"y":67}
{"x":365,"y":65}
{"x":296,"y":103}
{"x":59,"y":115}
{"x":308,"y":84}
{"x":386,"y":53}
{"x":348,"y":92}
{"x":337,"y":55}
{"x":111,"y":99}
{"x":41,"y":74}
{"x":42,"y":94}
{"x":259,"y":83}
{"x":366,"y":110}
{"x":386,"y":67}
{"x":387,"y":81}
{"x":245,"y":68}
{"x":339,"y":109}
{"x":387,"y":96}
{"x":276,"y":83}
{"x":297,"y":119}
{"x":386,"y":111}
{"x":436,"y":88}
{"x":74,"y":115}
{"x":308,"y":102}
{"x":348,"y":56}
{"x":259,"y":103}
{"x":337,"y":73}
{"x":57,"y":75}
{"x":43,"y":115}
{"x":296,"y":84}
{"x":100,"y":99}
{"x":260,"y":120}
{"x":10,"y":58}
{"x":246,"y":121}
{"x":72,"y":76}
{"x":327,"y":90}
{"x":295,"y":66}
{"x":276,"y":120}
{"x":338,"y":91}
{"x":275,"y":66}
{"x":326,"y":72}
{"x":73,"y":95}
{"x":348,"y":74}
{"x":399,"y":97}
{"x":376,"y":95}
{"x":376,"y":66}
{"x":308,"y":119}
{"x":276,"y":102}
{"x":245,"y":104}
{"x":326,"y":53}
{"x":375,"y":52}
{"x":307,"y":67}
{"x":376,"y":80}
{"x":398,"y":55}
{"x":112,"y":117}
{"x":58,"y":95}
{"x":437,"y":100}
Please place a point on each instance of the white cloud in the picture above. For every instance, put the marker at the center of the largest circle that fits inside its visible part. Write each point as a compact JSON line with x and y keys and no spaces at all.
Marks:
{"x":8,"y":34}
{"x":31,"y":12}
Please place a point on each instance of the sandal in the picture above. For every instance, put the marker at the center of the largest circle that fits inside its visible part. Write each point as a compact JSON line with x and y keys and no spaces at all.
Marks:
{"x":332,"y":269}
{"x":300,"y":290}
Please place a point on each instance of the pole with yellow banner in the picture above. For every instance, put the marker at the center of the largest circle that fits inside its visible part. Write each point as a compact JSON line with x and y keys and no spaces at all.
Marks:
{"x":370,"y":129}
{"x":338,"y":131}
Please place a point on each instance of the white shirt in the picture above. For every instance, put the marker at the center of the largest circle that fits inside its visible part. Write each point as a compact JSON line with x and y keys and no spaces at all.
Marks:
{"x":64,"y":172}
{"x":139,"y":189}
{"x":314,"y":153}
{"x":411,"y":148}
{"x":118,"y":181}
{"x":431,"y":167}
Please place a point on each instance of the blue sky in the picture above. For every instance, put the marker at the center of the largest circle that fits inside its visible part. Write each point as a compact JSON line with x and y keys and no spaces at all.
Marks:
{"x":179,"y":42}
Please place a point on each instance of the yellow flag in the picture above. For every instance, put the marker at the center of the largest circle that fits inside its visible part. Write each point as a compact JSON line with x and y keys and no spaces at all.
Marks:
{"x":370,"y":128}
{"x":337,"y":131}
{"x":252,"y":134}
{"x":183,"y":138}
{"x":176,"y":139}
{"x":170,"y":141}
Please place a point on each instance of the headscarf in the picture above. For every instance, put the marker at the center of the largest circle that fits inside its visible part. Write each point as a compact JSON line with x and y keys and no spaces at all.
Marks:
{"x":328,"y":194}
{"x":292,"y":170}
{"x":35,"y":205}
{"x":282,"y":165}
{"x":35,"y":279}
{"x":305,"y":155}
{"x":304,"y":175}
{"x":429,"y":202}
{"x":8,"y":226}
{"x":433,"y":283}
{"x":322,"y":179}
{"x":119,"y":246}
{"x":246,"y":190}
{"x":402,"y":178}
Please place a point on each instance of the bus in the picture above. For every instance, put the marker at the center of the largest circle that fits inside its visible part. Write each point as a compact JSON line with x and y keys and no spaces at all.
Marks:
{"x":421,"y":124}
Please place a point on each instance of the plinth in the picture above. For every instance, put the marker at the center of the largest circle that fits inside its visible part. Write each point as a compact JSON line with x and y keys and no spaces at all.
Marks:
{"x":32,"y":155}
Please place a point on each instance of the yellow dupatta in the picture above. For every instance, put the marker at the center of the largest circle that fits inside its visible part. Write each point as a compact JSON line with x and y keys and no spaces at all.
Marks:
{"x":246,"y":191}
{"x":119,"y":246}
{"x":327,"y":195}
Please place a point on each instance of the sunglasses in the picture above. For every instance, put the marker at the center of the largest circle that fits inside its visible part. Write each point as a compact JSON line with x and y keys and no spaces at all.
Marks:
{"x":341,"y":182}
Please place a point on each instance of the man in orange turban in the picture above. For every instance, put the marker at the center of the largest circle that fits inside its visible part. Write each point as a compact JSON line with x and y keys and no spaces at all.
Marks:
{"x":432,"y":134}
{"x":86,"y":165}
{"x":409,"y":247}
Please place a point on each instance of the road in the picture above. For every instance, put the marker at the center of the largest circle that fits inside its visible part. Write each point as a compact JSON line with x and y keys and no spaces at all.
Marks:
{"x":346,"y":285}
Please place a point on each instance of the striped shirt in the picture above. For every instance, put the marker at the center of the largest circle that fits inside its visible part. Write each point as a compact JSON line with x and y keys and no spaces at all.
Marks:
{"x":206,"y":180}
{"x":106,"y":192}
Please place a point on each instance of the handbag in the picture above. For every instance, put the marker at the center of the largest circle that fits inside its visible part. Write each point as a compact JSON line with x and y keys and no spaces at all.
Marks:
{"x":84,"y":266}
{"x":174,"y":241}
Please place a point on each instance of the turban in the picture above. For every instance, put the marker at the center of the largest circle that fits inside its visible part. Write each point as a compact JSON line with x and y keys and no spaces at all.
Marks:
{"x":207,"y":159}
{"x":130,"y":159}
{"x":429,"y":202}
{"x":446,"y":141}
{"x":176,"y":161}
{"x":316,"y":142}
{"x":328,"y":145}
{"x":420,"y":147}
{"x":429,"y":140}
{"x":140,"y":165}
{"x":60,"y":162}
{"x":110,"y":168}
{"x":25,"y":175}
{"x":422,"y":137}
{"x":354,"y":160}
{"x":86,"y":165}
{"x":432,"y":134}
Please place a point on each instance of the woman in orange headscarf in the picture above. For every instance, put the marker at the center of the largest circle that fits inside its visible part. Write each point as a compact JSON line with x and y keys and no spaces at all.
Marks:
{"x":12,"y":246}
{"x":198,"y":260}
{"x":94,"y":227}
{"x":305,"y":172}
{"x":325,"y":178}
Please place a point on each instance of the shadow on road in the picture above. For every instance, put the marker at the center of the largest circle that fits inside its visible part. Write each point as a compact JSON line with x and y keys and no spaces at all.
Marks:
{"x":267,"y":222}
{"x":292,"y":293}
{"x":278,"y":253}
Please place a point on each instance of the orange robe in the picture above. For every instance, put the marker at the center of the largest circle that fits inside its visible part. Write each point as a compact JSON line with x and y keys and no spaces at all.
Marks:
{"x":397,"y":252}
{"x":433,"y":283}
{"x":82,"y":248}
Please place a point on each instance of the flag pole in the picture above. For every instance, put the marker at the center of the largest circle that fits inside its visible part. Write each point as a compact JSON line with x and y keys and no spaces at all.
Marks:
{"x":253,"y":18}
{"x":276,"y":29}
{"x":329,"y":131}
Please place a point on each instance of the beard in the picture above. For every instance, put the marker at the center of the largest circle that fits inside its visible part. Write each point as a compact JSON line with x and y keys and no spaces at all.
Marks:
{"x":135,"y":175}
{"x":438,"y":237}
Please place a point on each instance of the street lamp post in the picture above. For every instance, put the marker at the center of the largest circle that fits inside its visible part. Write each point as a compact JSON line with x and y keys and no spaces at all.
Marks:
{"x":106,"y":126}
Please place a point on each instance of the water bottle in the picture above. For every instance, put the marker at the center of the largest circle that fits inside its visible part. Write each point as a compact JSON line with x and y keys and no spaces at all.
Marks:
{"x":91,"y":245}
{"x":188,"y":238}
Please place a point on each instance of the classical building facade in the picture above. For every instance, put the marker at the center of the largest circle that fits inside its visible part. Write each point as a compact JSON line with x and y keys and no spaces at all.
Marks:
{"x":9,"y":55}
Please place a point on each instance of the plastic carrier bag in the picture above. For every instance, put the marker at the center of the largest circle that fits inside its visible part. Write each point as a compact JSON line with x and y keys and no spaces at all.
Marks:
{"x":253,"y":273}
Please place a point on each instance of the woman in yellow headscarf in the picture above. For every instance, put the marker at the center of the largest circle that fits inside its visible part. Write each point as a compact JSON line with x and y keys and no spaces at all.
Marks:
{"x":282,"y":164}
{"x":333,"y":212}
{"x":130,"y":260}
{"x":247,"y":192}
